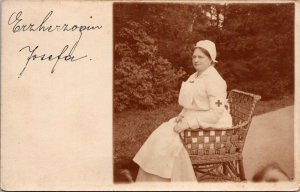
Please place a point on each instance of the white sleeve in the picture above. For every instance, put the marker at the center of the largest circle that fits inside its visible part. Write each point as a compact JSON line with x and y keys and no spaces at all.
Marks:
{"x":216,"y":91}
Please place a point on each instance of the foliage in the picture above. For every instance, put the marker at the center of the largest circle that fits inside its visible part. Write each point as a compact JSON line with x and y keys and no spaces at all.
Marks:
{"x":258,"y":49}
{"x":142,"y":77}
{"x":255,"y":45}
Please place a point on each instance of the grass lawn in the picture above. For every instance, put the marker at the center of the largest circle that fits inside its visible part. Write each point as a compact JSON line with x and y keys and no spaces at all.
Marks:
{"x":131,"y":129}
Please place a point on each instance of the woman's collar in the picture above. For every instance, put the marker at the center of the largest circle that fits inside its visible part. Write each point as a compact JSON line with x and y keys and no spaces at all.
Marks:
{"x":206,"y":71}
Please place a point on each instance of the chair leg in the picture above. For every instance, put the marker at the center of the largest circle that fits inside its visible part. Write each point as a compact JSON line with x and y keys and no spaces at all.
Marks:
{"x":241,"y":170}
{"x":224,"y":169}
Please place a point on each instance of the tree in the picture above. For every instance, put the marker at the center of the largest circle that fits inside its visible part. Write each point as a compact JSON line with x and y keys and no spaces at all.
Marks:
{"x":258,"y":48}
{"x":255,"y":46}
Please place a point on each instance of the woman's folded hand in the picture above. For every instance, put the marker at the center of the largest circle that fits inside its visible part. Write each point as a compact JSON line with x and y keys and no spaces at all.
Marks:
{"x":178,"y":118}
{"x":180,"y":126}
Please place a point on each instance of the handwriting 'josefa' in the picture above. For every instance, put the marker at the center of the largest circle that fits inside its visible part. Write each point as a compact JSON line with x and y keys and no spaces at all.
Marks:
{"x":18,"y":25}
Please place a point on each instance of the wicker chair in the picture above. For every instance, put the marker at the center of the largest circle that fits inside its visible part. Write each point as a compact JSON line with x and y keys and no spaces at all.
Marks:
{"x":216,"y":154}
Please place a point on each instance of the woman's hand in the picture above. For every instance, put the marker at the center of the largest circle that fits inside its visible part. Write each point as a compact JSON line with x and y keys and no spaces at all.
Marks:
{"x":178,"y":118}
{"x":180,"y":126}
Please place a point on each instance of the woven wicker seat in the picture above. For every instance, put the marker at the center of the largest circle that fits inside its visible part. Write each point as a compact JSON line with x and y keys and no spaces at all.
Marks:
{"x":216,"y":154}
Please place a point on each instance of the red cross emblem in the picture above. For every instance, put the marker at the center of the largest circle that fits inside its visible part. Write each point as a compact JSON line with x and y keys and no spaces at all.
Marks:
{"x":218,"y":103}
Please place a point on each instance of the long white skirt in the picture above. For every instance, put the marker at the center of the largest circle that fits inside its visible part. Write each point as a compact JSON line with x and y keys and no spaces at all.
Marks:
{"x":164,"y":156}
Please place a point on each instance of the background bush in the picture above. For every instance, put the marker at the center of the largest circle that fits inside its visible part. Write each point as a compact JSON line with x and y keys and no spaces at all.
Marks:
{"x":143,"y":78}
{"x":153,"y":46}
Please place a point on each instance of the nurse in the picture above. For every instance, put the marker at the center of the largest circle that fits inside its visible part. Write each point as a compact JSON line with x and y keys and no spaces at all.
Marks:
{"x":203,"y":98}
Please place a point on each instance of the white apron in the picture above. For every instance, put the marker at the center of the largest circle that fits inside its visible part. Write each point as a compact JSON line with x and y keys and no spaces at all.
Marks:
{"x":186,"y":94}
{"x":162,"y":151}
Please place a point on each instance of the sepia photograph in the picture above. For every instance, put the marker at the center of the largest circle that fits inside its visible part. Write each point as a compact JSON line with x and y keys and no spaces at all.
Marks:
{"x":203,"y":92}
{"x":149,"y":95}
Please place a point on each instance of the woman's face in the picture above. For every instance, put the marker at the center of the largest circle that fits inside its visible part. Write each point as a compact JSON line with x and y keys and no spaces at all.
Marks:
{"x":200,"y":60}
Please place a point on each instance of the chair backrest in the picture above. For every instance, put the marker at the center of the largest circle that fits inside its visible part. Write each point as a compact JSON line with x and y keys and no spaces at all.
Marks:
{"x":242,"y":106}
{"x":199,"y":142}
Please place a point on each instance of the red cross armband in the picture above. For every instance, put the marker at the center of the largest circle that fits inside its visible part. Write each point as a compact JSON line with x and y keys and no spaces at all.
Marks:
{"x":218,"y":103}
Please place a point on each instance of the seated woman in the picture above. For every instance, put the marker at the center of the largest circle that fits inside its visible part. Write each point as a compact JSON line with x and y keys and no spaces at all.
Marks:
{"x":203,"y":98}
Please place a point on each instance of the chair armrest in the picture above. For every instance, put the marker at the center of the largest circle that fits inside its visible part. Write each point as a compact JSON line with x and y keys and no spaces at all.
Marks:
{"x":219,"y":129}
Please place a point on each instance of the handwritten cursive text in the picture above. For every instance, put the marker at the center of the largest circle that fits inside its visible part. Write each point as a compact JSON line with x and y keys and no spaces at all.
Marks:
{"x":16,"y":20}
{"x":43,"y":57}
{"x":67,"y":53}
